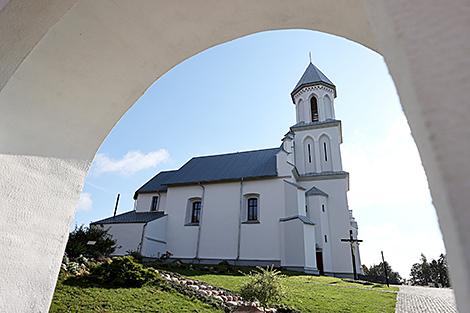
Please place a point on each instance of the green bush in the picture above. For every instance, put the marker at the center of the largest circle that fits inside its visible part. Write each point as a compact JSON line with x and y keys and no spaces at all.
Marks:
{"x":264,"y":286}
{"x":77,"y":245}
{"x":124,"y":272}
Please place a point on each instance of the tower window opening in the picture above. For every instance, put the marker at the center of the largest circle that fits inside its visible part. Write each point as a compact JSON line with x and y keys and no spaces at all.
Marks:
{"x":153,"y":206}
{"x":326,"y":239}
{"x":314,"y":109}
{"x":323,"y":207}
{"x":309,"y":154}
{"x":326,"y":154}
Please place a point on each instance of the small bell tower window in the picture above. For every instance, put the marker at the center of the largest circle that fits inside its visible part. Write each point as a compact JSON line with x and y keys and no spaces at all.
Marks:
{"x":314,"y":109}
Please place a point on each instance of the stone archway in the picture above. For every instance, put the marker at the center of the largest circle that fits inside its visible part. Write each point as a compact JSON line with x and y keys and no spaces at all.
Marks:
{"x":70,"y":69}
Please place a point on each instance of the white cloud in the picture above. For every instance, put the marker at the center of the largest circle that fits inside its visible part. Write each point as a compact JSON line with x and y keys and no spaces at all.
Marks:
{"x":85,"y":203}
{"x":390,"y":198}
{"x":389,"y":171}
{"x":132,"y":162}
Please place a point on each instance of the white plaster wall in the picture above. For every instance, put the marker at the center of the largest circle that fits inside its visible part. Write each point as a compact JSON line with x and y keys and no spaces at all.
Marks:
{"x":261,"y":241}
{"x":95,"y":58}
{"x":291,"y":235}
{"x":291,"y":200}
{"x":37,"y":202}
{"x":219,"y":229}
{"x":309,"y":246}
{"x":337,"y":221}
{"x":128,"y":236}
{"x":302,"y":103}
{"x":334,"y":135}
{"x":154,"y":243}
{"x":143,"y":202}
{"x":322,"y":227}
{"x":181,"y":239}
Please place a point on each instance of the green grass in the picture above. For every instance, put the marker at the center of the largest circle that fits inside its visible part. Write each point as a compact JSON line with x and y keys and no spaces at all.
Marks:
{"x":321,"y":294}
{"x":303,"y":292}
{"x":77,"y":299}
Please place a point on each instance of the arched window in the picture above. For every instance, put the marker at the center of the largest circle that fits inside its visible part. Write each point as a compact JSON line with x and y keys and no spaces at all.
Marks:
{"x":298,"y":110}
{"x":196,"y":212}
{"x":252,"y":205}
{"x":328,"y":107}
{"x":193,"y":212}
{"x":309,"y":155}
{"x":314,"y":109}
{"x":154,"y":204}
{"x":325,"y":154}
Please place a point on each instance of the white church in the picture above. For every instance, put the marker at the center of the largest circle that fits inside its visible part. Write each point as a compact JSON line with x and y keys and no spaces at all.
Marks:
{"x":285,"y":206}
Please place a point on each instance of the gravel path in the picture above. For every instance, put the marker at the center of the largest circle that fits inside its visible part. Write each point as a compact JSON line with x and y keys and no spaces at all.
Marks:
{"x":425,"y":300}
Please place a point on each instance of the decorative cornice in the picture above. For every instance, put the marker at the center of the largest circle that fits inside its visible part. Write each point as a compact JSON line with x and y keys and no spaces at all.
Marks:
{"x":315,"y":125}
{"x":321,"y":176}
{"x":310,"y":87}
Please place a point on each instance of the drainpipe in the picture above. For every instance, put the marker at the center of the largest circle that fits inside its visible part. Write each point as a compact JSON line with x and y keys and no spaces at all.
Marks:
{"x":200,"y":221}
{"x":159,"y":200}
{"x":240,"y":221}
{"x":142,"y":238}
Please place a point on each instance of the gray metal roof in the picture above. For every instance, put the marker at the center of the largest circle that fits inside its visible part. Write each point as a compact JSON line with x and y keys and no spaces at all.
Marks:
{"x":131,"y":217}
{"x":156,"y":184}
{"x":313,"y":76}
{"x":302,"y":218}
{"x":223,"y":167}
{"x":314,"y":191}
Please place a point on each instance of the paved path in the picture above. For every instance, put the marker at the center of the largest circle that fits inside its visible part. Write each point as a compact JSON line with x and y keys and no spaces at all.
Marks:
{"x":425,"y":300}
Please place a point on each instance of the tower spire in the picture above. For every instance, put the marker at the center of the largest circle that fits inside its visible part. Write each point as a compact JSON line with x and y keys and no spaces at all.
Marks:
{"x":310,"y":56}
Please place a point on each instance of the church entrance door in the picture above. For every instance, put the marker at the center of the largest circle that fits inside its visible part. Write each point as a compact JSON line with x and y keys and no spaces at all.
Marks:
{"x":320,"y":262}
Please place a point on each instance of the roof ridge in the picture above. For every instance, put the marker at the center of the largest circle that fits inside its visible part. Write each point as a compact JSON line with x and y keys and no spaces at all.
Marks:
{"x":231,"y":153}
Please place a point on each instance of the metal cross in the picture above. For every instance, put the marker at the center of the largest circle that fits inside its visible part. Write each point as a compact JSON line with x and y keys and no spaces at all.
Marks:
{"x":351,"y":241}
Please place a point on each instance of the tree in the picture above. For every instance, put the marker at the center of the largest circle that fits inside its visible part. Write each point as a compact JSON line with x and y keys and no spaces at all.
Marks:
{"x":434,"y":273}
{"x":80,"y":237}
{"x":375,"y":273}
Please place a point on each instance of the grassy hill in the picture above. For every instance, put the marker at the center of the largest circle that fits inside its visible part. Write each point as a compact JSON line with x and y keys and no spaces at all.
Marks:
{"x":303,"y":292}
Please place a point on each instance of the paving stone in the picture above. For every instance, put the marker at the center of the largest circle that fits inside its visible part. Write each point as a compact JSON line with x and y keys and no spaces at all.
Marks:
{"x":413,"y":299}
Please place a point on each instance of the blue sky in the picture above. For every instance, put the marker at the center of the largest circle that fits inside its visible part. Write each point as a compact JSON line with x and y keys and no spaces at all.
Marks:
{"x":236,"y":96}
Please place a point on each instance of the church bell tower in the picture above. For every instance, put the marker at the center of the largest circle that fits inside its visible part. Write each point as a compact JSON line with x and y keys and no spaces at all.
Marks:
{"x":317,"y":132}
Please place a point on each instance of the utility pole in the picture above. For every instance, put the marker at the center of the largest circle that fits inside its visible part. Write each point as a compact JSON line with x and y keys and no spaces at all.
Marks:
{"x":352,"y":241}
{"x":117,"y":203}
{"x":385,"y":268}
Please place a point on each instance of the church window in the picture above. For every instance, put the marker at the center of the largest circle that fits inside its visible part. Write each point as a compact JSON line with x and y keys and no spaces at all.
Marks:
{"x":309,"y":154}
{"x":252,"y":209}
{"x":326,"y":239}
{"x":196,"y":212}
{"x":323,"y":207}
{"x":314,"y":109}
{"x":325,"y":153}
{"x":154,"y":204}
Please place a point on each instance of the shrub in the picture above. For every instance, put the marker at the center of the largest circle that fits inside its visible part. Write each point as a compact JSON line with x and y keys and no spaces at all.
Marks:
{"x":136,"y":255}
{"x":124,"y":272}
{"x":77,"y":244}
{"x":264,"y":286}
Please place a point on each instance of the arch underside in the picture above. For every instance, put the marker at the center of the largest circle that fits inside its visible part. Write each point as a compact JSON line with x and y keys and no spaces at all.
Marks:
{"x":71,"y":69}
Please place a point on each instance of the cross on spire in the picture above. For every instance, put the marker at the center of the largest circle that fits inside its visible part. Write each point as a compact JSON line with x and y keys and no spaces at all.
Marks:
{"x":310,"y":56}
{"x":352,"y":241}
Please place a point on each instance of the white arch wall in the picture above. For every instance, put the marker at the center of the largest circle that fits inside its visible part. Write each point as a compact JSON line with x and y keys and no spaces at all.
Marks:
{"x":70,"y":69}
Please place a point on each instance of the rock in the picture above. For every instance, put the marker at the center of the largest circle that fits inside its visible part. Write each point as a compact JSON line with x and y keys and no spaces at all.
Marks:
{"x":232,"y":303}
{"x":194,"y":287}
{"x":247,"y":309}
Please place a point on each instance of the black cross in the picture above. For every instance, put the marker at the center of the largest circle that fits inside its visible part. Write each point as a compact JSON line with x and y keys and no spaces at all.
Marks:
{"x":351,"y":241}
